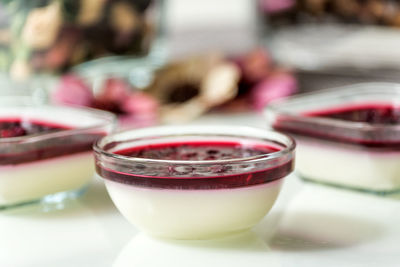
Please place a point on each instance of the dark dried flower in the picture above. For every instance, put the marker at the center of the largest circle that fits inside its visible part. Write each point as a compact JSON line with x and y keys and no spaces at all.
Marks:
{"x":135,"y":109}
{"x":189,"y":88}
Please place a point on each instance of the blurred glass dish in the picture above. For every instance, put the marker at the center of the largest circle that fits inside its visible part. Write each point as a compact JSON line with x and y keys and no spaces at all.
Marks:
{"x":45,"y":150}
{"x":315,"y":47}
{"x":348,"y":137}
{"x":349,"y":39}
{"x":36,"y":88}
{"x":366,"y":12}
{"x":52,"y":36}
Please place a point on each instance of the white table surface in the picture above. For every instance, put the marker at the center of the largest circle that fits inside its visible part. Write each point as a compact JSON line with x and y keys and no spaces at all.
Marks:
{"x":310,"y":225}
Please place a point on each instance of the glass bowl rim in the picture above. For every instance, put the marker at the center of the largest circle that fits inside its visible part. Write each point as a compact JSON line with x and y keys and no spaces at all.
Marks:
{"x":270,"y":134}
{"x":275,"y":106}
{"x":108,"y":118}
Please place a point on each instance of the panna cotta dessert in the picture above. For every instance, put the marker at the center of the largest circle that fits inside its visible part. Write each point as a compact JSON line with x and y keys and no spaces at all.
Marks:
{"x":194,"y":182}
{"x":46,"y":150}
{"x":347,"y":137}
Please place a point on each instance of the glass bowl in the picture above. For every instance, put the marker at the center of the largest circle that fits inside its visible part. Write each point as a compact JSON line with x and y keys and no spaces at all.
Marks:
{"x":347,"y":137}
{"x":194,"y":198}
{"x":53,"y":159}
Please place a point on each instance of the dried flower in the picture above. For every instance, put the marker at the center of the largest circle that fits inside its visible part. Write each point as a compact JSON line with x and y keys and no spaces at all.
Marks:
{"x":140,"y":110}
{"x":90,"y":11}
{"x":72,"y":90}
{"x":276,"y":6}
{"x":124,"y":17}
{"x":188,"y":88}
{"x":114,"y":90}
{"x":277,"y":85}
{"x":255,"y":65}
{"x":42,"y":26}
{"x":60,"y":53}
{"x":135,"y":109}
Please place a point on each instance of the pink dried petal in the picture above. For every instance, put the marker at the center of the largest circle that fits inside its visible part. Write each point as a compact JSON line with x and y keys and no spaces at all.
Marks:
{"x":255,"y":65}
{"x":72,"y":90}
{"x":277,"y":86}
{"x":140,"y":103}
{"x":115,"y":90}
{"x":276,"y":6}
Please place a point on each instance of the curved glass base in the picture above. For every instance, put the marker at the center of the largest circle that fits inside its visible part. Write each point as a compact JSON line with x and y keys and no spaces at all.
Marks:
{"x":55,"y":201}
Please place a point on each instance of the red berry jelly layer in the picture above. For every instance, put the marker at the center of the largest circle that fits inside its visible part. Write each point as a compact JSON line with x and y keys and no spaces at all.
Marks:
{"x":15,"y":127}
{"x":16,"y":153}
{"x":220,"y":175}
{"x":369,"y":113}
{"x":377,"y":115}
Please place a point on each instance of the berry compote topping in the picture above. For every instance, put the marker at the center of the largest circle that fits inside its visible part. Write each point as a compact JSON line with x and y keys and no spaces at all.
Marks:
{"x":197,"y":151}
{"x":18,"y":127}
{"x":380,"y":116}
{"x":220,"y":175}
{"x":12,"y":153}
{"x":368,"y":113}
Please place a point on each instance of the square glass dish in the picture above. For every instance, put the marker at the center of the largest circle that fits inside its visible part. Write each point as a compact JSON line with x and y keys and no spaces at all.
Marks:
{"x":46,"y":151}
{"x":347,"y":137}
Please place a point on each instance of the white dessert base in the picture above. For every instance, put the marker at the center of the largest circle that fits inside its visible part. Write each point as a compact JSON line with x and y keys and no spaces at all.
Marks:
{"x":340,"y":165}
{"x":32,"y":181}
{"x":193,"y":214}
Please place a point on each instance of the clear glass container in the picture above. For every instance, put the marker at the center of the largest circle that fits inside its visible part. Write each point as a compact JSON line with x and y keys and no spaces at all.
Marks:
{"x":46,"y":165}
{"x":194,"y":199}
{"x":54,"y":35}
{"x":347,"y":137}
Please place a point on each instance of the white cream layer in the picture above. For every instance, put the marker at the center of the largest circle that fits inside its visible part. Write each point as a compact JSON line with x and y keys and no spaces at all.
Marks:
{"x":34,"y":180}
{"x":193,"y":214}
{"x":341,"y":165}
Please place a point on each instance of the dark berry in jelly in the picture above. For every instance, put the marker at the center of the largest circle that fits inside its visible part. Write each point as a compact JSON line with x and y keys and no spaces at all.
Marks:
{"x":218,"y":176}
{"x":196,"y":151}
{"x":368,"y":125}
{"x":18,"y":128}
{"x":372,"y":114}
{"x":40,"y":149}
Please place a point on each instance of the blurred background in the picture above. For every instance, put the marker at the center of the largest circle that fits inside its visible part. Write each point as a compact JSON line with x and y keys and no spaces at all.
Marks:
{"x":171,"y":61}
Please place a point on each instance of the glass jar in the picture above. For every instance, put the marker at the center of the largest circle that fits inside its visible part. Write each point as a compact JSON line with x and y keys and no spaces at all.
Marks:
{"x":51,"y":36}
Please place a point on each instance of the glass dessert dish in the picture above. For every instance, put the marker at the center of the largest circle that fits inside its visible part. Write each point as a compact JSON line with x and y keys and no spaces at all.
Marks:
{"x":46,"y":151}
{"x":194,"y":182}
{"x":347,"y":137}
